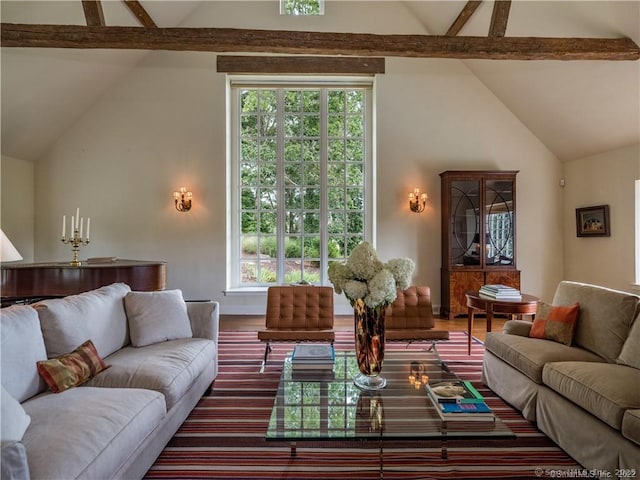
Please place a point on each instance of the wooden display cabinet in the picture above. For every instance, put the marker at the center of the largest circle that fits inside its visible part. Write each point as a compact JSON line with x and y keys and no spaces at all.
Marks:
{"x":478,"y":234}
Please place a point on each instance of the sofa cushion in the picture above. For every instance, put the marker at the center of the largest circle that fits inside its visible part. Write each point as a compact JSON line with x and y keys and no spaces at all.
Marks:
{"x":168,"y":367}
{"x":71,"y":369}
{"x":21,"y":347}
{"x":529,"y":355}
{"x":631,"y":425}
{"x":14,"y":419}
{"x":97,"y":315}
{"x":93,"y":431}
{"x":13,"y":462}
{"x":157,"y":317}
{"x":603,"y":389}
{"x":605,"y":316}
{"x":629,"y":354}
{"x":556,"y":323}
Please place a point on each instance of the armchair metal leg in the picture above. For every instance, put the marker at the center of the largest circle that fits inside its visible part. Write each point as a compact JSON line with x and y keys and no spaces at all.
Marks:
{"x":267,"y":350}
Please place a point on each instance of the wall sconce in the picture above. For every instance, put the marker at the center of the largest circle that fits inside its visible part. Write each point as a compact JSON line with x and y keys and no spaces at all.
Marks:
{"x":183,"y":199}
{"x":417,"y":201}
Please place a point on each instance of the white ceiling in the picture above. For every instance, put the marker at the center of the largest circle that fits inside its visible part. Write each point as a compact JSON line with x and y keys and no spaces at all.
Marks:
{"x":45,"y":91}
{"x":576,"y":108}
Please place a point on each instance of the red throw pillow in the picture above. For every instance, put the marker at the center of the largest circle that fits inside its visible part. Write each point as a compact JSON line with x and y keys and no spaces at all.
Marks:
{"x":71,"y":369}
{"x":556,"y":323}
{"x":537,"y":329}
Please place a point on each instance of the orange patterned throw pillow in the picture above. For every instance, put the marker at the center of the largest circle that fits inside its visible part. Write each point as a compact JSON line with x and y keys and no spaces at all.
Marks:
{"x":555,"y":323}
{"x":71,"y":369}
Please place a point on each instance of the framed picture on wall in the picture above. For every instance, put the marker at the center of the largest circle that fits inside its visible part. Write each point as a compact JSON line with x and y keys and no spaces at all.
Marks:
{"x":593,"y":221}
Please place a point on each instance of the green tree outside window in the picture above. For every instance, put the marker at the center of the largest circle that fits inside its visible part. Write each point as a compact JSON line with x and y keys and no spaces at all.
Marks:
{"x":302,"y":7}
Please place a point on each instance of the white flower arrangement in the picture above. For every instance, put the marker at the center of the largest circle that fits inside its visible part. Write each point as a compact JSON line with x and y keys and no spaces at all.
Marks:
{"x":364,"y":276}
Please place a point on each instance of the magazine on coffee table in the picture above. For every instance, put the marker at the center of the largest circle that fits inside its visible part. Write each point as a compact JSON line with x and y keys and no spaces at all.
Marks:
{"x":457,"y":391}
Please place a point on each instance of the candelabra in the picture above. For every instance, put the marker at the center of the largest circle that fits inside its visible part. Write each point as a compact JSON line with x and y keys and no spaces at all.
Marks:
{"x":75,"y":240}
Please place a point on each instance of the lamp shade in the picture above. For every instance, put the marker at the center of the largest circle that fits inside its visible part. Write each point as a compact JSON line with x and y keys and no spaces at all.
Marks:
{"x":8,"y":252}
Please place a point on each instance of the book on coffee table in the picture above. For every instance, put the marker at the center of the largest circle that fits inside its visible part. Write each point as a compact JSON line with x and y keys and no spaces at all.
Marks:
{"x":313,"y":356}
{"x":463,"y":412}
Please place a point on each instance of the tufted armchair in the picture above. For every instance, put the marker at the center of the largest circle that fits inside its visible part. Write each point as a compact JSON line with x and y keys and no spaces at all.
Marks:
{"x":297,"y":313}
{"x":410,"y":317}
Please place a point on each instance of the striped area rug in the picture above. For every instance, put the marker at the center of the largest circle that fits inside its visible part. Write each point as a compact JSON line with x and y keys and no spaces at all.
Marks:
{"x":224,"y":435}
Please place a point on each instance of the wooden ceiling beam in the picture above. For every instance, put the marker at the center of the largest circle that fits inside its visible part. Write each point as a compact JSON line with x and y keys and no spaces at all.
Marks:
{"x":317,"y":43}
{"x":93,"y":13}
{"x":267,"y":64}
{"x":140,"y":13}
{"x":463,"y":17}
{"x":499,"y":17}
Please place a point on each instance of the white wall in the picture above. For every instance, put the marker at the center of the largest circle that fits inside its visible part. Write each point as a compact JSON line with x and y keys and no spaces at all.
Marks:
{"x":604,"y":179}
{"x":163,"y":126}
{"x":17,"y":204}
{"x":435,"y":116}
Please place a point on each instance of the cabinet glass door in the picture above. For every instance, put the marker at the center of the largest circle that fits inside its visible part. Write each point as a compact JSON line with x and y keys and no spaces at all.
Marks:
{"x":499,"y":224}
{"x":465,"y":223}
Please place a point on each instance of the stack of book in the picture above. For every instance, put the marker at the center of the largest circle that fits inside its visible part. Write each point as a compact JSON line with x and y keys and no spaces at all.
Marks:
{"x":500,"y":292}
{"x":459,"y":401}
{"x":313,"y":356}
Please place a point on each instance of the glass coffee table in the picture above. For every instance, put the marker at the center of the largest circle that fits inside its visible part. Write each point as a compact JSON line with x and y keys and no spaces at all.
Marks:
{"x":317,"y":405}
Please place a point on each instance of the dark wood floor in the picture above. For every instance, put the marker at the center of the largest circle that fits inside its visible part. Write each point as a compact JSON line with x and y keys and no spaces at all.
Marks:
{"x":345,"y":322}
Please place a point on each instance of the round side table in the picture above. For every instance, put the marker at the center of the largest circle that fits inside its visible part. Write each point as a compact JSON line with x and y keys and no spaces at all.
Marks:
{"x":525,"y":306}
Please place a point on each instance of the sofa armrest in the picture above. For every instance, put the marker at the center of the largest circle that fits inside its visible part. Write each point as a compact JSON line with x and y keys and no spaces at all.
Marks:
{"x":13,"y":461}
{"x":517,"y":327}
{"x":204,"y":317}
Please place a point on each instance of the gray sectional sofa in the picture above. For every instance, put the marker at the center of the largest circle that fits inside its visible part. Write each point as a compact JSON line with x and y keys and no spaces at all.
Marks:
{"x":161,"y":354}
{"x":585,"y":396}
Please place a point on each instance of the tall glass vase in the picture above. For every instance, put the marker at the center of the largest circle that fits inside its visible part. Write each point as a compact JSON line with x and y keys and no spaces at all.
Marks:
{"x":369,"y":336}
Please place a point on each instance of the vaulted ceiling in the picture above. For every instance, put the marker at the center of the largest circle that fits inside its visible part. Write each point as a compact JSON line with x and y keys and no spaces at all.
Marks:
{"x":576,"y":108}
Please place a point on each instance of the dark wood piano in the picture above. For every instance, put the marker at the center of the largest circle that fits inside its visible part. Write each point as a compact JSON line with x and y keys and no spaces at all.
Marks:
{"x":27,"y":282}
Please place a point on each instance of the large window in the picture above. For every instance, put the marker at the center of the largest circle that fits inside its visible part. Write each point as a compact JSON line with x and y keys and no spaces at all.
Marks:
{"x":302,"y":7}
{"x":302,"y":177}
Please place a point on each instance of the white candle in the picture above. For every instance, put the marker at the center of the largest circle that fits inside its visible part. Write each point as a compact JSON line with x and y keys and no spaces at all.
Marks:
{"x":72,"y":230}
{"x":81,"y":225}
{"x":64,"y":225}
{"x":88,"y":227}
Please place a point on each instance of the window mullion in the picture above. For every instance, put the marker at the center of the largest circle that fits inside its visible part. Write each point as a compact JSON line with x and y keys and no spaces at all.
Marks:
{"x":324,"y":201}
{"x":280,"y":237}
{"x":370,"y":204}
{"x":234,"y":223}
